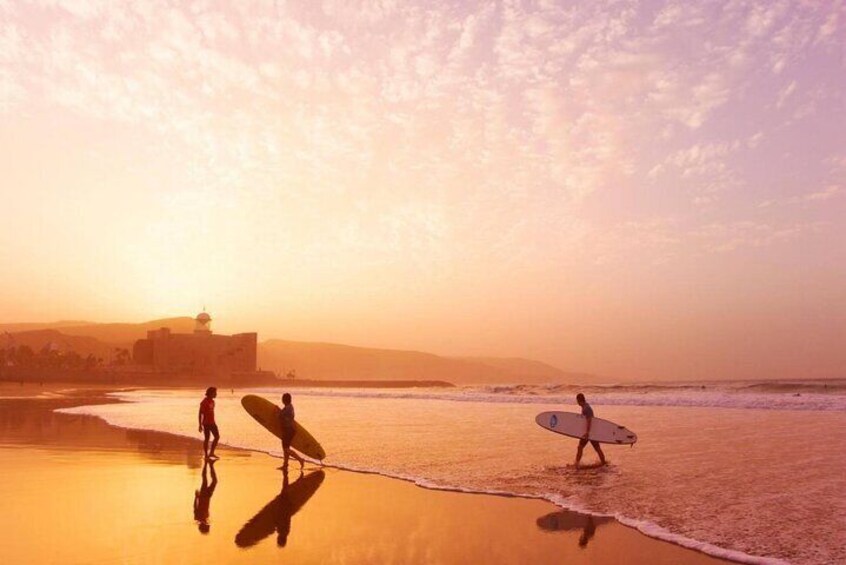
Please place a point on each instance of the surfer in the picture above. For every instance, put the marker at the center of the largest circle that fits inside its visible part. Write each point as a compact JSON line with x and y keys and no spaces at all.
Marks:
{"x":202,"y":498}
{"x":207,"y":425}
{"x":286,"y":416}
{"x":587,"y":412}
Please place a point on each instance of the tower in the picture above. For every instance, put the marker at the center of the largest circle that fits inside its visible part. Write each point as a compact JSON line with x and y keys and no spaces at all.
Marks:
{"x":203,"y":324}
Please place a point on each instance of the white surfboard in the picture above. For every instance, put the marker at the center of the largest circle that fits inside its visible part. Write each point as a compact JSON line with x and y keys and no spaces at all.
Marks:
{"x":573,"y":425}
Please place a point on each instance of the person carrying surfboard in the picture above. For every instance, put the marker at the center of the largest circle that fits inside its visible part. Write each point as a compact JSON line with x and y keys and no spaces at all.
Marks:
{"x":207,"y":423}
{"x":286,"y":416}
{"x":587,"y":412}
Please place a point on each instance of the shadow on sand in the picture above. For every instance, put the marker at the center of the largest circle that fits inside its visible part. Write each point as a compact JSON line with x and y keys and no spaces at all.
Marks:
{"x":276,"y":515}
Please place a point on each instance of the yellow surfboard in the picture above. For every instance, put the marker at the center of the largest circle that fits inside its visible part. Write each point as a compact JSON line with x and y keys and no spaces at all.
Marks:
{"x":266,"y":413}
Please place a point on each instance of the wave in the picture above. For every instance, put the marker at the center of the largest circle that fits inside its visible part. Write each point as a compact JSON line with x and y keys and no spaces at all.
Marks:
{"x":686,"y":396}
{"x":829,"y":386}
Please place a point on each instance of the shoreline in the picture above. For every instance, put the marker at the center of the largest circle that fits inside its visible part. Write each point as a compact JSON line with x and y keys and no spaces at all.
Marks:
{"x":146,"y":441}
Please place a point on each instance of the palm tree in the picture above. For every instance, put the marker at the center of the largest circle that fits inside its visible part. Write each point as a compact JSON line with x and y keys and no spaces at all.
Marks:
{"x":122,"y":356}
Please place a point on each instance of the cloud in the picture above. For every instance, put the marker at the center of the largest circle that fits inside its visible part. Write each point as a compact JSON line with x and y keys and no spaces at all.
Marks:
{"x":829,"y":27}
{"x":755,"y":140}
{"x":785,"y":94}
{"x":492,"y":119}
{"x":728,"y":237}
{"x":825,"y":194}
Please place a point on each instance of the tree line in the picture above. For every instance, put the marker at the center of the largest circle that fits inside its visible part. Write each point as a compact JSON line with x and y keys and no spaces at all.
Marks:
{"x":23,"y":356}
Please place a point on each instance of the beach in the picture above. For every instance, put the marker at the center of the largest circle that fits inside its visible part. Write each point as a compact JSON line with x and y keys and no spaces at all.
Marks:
{"x":723,"y":468}
{"x":77,"y":490}
{"x":459,"y":241}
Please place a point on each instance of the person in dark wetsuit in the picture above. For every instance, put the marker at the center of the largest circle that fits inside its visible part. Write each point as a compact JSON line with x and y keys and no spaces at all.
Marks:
{"x":207,"y":423}
{"x":202,"y":498}
{"x":587,"y":412}
{"x":286,"y":416}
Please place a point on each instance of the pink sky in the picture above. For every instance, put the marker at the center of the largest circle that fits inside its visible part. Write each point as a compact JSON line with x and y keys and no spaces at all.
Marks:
{"x":637,"y":189}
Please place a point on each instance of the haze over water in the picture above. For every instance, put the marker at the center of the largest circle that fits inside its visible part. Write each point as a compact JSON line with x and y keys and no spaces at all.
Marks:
{"x":729,"y":476}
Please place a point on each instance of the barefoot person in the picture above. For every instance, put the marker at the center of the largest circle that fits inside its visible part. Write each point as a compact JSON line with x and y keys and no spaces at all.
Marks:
{"x":288,"y":430}
{"x":207,"y":425}
{"x":587,"y":412}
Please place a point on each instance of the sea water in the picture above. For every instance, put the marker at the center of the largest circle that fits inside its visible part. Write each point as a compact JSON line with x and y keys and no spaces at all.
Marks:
{"x":747,"y":471}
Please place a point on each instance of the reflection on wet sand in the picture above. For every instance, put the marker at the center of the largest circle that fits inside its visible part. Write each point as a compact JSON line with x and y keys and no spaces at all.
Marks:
{"x":202,"y":498}
{"x":276,"y":515}
{"x":29,"y":421}
{"x":566,"y":520}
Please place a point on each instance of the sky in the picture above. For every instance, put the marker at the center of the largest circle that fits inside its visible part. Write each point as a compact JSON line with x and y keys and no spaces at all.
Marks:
{"x":646,"y":190}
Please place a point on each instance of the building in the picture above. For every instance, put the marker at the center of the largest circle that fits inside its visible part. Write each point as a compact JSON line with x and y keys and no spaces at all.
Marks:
{"x":197,"y":353}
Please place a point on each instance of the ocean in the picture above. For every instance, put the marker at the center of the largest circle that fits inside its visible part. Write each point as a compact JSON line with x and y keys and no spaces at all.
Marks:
{"x":750,"y":471}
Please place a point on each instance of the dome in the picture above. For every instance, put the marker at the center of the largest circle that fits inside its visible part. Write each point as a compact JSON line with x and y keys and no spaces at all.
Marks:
{"x":203,"y":318}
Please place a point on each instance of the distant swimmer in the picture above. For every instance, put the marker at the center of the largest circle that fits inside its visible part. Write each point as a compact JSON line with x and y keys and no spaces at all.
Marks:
{"x":587,"y":412}
{"x":202,"y":498}
{"x":207,"y":424}
{"x":286,"y":417}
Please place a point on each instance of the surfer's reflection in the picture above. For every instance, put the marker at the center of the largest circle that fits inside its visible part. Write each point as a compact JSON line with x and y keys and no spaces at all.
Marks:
{"x":276,"y":515}
{"x":568,"y":521}
{"x":202,"y":497}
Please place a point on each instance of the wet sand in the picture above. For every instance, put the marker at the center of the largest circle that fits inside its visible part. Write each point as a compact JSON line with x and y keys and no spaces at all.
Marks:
{"x":76,"y":490}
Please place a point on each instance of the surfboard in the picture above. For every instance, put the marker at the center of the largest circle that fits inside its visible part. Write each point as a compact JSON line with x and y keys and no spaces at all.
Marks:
{"x":266,"y":413}
{"x":573,"y":425}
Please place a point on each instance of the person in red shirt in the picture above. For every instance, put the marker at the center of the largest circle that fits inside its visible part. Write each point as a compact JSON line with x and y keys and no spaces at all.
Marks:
{"x":207,"y":425}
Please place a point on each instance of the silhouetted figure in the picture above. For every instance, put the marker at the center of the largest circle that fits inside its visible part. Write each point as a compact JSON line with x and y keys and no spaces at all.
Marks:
{"x":202,"y":498}
{"x":276,"y":515}
{"x":207,"y":423}
{"x":587,"y":412}
{"x":286,"y":416}
{"x":567,"y":520}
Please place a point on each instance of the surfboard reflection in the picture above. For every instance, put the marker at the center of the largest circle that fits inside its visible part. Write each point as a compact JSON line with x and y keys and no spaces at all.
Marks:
{"x":566,"y":520}
{"x":276,"y":515}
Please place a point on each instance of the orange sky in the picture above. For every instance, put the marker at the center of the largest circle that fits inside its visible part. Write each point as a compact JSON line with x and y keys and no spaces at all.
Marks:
{"x":649,"y":192}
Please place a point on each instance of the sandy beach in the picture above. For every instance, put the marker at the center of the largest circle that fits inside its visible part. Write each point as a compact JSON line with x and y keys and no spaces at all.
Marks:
{"x":450,"y":248}
{"x":77,"y":490}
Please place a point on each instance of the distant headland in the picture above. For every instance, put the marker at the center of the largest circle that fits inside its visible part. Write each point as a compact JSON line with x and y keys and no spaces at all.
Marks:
{"x":184,"y":351}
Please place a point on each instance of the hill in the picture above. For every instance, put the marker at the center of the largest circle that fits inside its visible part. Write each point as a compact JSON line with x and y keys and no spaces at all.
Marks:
{"x":115,"y":334}
{"x":55,"y":340}
{"x":531,"y":371}
{"x":344,"y":362}
{"x":30,"y":326}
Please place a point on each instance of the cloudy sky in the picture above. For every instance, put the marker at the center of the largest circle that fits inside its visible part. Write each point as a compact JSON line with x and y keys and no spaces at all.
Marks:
{"x":639,"y":189}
